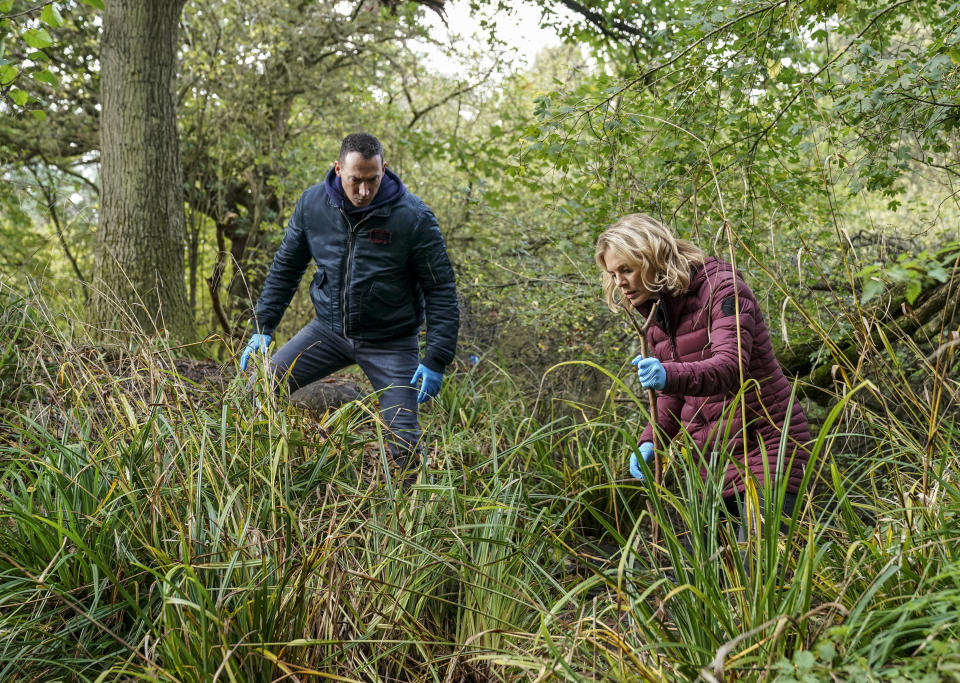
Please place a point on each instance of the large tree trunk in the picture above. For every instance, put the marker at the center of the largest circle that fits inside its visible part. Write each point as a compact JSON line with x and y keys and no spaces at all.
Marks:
{"x":139,"y":281}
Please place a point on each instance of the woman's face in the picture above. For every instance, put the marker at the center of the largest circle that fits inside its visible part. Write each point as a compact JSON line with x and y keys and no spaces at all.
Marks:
{"x":627,"y":278}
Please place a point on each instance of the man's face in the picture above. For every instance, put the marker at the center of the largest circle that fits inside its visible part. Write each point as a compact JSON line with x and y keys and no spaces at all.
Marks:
{"x":360,"y":177}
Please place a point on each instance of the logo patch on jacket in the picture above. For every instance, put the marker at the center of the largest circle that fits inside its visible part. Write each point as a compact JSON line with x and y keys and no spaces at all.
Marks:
{"x":378,"y":236}
{"x":729,"y":306}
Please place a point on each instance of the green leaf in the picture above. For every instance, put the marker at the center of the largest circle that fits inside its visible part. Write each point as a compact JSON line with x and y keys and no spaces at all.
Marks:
{"x":94,"y":3}
{"x":37,"y":38}
{"x":773,"y":68}
{"x":914,"y":287}
{"x":19,"y":97}
{"x":6,"y":6}
{"x":871,"y":290}
{"x":45,"y":76}
{"x":8,"y":74}
{"x":39,"y":114}
{"x":51,"y":16}
{"x":938,"y":273}
{"x":826,"y":651}
{"x":804,"y":661}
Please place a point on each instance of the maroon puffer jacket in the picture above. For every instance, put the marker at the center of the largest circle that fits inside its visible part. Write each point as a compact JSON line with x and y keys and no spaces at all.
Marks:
{"x":695,"y":337}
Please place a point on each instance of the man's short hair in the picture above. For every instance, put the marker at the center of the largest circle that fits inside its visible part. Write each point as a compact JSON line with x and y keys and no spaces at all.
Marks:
{"x":364,"y":143}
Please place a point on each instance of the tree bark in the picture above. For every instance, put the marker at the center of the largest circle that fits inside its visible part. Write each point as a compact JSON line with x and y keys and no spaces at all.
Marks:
{"x":139,"y":282}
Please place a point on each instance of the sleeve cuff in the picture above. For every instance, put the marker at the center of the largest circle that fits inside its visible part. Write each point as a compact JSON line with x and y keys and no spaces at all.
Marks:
{"x":433,"y":365}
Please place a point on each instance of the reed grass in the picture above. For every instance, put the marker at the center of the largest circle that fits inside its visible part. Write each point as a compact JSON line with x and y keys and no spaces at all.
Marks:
{"x":153,"y":528}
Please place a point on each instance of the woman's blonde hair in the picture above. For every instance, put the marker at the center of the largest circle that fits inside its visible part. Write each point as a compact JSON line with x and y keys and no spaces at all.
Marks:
{"x":644,"y":243}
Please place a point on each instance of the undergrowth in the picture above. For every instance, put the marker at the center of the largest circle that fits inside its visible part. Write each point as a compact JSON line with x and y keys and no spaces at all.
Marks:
{"x":156,"y":528}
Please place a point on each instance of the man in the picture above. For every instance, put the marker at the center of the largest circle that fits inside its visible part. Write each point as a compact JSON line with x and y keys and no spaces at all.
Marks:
{"x":381,"y":265}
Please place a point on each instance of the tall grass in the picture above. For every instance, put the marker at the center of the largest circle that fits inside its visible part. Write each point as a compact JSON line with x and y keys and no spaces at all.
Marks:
{"x":153,"y":528}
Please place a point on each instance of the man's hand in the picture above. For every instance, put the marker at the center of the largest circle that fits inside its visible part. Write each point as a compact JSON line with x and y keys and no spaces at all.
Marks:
{"x":258,"y":342}
{"x":651,"y":372}
{"x":432,"y":381}
{"x":646,"y":452}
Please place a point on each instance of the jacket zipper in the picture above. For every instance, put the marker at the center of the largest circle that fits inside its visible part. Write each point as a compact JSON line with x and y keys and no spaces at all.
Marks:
{"x":345,"y":276}
{"x":668,"y":328}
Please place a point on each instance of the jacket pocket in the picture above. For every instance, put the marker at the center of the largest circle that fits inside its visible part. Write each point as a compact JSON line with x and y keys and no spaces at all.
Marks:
{"x":318,"y":288}
{"x":389,"y":304}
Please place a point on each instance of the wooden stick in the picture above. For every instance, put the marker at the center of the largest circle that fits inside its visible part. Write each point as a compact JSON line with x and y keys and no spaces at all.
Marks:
{"x":652,"y":399}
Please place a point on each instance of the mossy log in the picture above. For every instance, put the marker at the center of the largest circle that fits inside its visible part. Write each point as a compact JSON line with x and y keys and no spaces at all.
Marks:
{"x":898,"y":319}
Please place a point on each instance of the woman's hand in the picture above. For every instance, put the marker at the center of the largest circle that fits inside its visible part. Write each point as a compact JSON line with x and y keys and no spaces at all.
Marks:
{"x":651,"y":372}
{"x":646,"y":452}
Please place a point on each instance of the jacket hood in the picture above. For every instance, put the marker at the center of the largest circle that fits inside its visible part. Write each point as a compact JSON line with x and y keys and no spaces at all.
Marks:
{"x":391,"y":188}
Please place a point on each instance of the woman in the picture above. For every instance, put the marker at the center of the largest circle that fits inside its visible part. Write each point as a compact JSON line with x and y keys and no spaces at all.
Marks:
{"x":708,"y":341}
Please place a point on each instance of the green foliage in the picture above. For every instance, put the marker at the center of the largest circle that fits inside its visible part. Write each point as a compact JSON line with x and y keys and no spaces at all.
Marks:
{"x":721,"y":103}
{"x":750,"y":117}
{"x":914,"y":271}
{"x":24,"y":24}
{"x":21,"y":243}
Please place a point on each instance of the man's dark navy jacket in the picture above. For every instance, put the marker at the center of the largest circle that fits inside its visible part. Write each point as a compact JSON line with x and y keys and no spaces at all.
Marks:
{"x":379,"y":270}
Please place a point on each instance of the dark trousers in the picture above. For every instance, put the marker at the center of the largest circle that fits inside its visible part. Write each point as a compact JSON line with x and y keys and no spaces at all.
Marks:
{"x":734,"y":505}
{"x":315,"y":352}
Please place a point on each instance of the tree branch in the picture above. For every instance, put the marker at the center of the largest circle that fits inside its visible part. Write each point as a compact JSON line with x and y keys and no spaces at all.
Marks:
{"x":456,"y":93}
{"x":808,"y":81}
{"x":600,"y":21}
{"x":649,"y":72}
{"x":51,"y":199}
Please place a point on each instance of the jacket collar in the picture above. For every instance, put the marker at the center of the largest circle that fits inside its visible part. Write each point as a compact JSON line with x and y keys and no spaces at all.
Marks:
{"x":670,"y":304}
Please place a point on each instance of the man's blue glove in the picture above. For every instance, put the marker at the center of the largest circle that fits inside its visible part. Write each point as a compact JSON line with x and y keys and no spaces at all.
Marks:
{"x":646,"y":452}
{"x":432,"y":381}
{"x":651,"y":372}
{"x":258,"y":342}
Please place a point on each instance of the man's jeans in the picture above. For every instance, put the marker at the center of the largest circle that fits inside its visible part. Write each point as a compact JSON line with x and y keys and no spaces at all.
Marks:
{"x":315,"y":352}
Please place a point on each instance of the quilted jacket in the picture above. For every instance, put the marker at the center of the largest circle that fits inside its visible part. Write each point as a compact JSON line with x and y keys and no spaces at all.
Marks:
{"x":379,"y":275}
{"x":712,"y":340}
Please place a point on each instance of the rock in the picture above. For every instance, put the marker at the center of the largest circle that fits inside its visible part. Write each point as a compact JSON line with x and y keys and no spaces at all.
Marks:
{"x":326,"y":394}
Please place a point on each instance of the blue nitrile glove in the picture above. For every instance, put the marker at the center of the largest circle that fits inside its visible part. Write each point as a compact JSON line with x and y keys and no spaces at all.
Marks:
{"x":646,"y":452}
{"x":258,"y":342}
{"x":651,"y":372}
{"x":432,"y":381}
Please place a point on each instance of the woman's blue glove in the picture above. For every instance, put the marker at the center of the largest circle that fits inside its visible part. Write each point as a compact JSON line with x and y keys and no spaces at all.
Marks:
{"x":432,"y":381}
{"x":646,"y":452}
{"x":651,"y":372}
{"x":258,"y":342}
